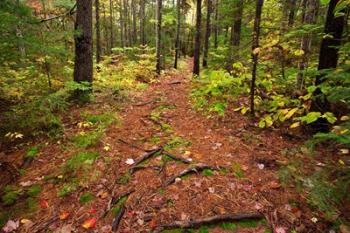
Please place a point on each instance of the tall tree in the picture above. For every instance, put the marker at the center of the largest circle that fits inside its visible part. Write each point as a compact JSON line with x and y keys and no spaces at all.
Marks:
{"x":309,"y":10}
{"x":98,"y":31}
{"x":142,"y":21}
{"x":207,"y":34}
{"x":177,"y":42}
{"x":83,"y":65}
{"x":111,"y":23}
{"x":255,"y":52}
{"x":121,"y":22}
{"x":197,"y":42}
{"x":159,"y":36}
{"x":216,"y":27}
{"x":329,"y":56}
{"x":235,"y":33}
{"x":134,"y":24}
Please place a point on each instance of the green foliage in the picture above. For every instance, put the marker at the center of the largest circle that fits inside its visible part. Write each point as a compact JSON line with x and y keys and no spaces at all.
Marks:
{"x":84,"y":140}
{"x":81,"y":160}
{"x":207,"y":172}
{"x":124,"y":179}
{"x":33,"y":151}
{"x":85,"y":198}
{"x":67,"y":189}
{"x":10,"y":196}
{"x":176,"y":142}
{"x":237,"y":170}
{"x":34,"y":191}
{"x":228,"y":226}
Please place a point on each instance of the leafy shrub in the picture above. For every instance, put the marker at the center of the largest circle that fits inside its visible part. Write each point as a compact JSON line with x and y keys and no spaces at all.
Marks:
{"x":82,"y":159}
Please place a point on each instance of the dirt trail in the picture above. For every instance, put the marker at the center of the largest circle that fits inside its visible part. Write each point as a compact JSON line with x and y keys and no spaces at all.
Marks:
{"x":163,"y":116}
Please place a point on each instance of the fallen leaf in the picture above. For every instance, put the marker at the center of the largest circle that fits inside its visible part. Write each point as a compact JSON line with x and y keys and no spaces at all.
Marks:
{"x":140,"y":222}
{"x":44,"y":204}
{"x":10,"y":226}
{"x":26,"y":223}
{"x":153,"y":224}
{"x":90,"y":223}
{"x":280,"y":230}
{"x":26,"y":183}
{"x":102,"y":194}
{"x":344,"y":228}
{"x":130,"y":162}
{"x":211,"y":190}
{"x":314,"y":220}
{"x":64,"y":215}
{"x":93,"y":211}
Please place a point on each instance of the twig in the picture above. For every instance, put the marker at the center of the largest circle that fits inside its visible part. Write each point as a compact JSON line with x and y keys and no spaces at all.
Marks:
{"x":117,"y":219}
{"x":146,"y":103}
{"x":195,"y":168}
{"x":174,"y":157}
{"x":210,"y":220}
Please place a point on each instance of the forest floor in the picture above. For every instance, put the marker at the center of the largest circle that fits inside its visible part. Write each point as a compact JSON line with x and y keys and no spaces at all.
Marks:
{"x":237,"y":174}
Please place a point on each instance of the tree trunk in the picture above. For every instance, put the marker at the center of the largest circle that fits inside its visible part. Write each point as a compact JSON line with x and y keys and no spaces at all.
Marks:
{"x":328,"y":58}
{"x":197,"y":42}
{"x":142,"y":21}
{"x":105,"y":25}
{"x":207,"y":35}
{"x":134,"y":29}
{"x":309,"y":8}
{"x":83,"y":42}
{"x":177,"y":42}
{"x":159,"y":36}
{"x":98,"y":31}
{"x":235,"y":34}
{"x":111,"y":23}
{"x":216,"y":28}
{"x":291,"y":16}
{"x":121,"y":22}
{"x":255,"y":52}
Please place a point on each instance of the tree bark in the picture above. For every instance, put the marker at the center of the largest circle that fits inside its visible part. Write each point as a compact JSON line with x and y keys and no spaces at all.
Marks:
{"x":98,"y":31}
{"x":216,"y":28}
{"x":121,"y":23}
{"x":142,"y":21}
{"x":134,"y":29}
{"x":255,"y":52}
{"x":83,"y":42}
{"x":111,"y":23}
{"x":159,"y":36}
{"x":177,"y":42}
{"x":197,"y":43}
{"x":207,"y":34}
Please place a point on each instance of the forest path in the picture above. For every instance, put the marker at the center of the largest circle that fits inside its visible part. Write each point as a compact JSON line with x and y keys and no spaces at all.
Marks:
{"x":163,"y":116}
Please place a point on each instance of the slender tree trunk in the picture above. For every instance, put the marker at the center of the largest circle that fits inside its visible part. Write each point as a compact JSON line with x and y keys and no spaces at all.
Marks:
{"x":309,"y":8}
{"x":83,"y":42}
{"x":197,"y":42}
{"x":291,"y":16}
{"x":255,"y":52}
{"x":159,"y":36}
{"x":125,"y":22}
{"x":216,"y":28}
{"x":105,"y":25}
{"x":142,"y":21}
{"x":98,"y":31}
{"x":207,"y":34}
{"x":235,"y":34}
{"x":121,"y":23}
{"x":134,"y":29}
{"x":111,"y":23}
{"x":329,"y":56}
{"x":177,"y":42}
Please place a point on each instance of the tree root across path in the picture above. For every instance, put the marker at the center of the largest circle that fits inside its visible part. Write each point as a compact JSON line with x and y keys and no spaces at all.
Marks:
{"x":210,"y":220}
{"x":193,"y":168}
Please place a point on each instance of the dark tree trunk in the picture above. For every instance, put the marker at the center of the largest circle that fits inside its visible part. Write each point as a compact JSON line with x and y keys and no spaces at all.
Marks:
{"x":292,"y":7}
{"x":83,"y":42}
{"x":255,"y":52}
{"x":309,"y":8}
{"x":105,"y":25}
{"x":142,"y":21}
{"x":177,"y":42}
{"x":235,"y":34}
{"x":216,"y":28}
{"x":98,"y":31}
{"x":329,"y":56}
{"x":125,"y":23}
{"x":159,"y":36}
{"x":111,"y":23}
{"x":197,"y":42}
{"x":207,"y":34}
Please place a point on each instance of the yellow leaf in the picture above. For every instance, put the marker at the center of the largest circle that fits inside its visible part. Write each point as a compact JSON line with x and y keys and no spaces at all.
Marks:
{"x":345,"y":118}
{"x":295,"y":125}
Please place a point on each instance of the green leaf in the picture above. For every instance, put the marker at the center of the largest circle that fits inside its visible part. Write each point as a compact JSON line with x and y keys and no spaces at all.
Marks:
{"x":311,"y":117}
{"x":330,"y":117}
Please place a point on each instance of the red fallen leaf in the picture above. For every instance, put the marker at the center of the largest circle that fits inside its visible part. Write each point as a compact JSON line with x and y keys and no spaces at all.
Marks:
{"x":93,"y":211}
{"x":64,"y":215}
{"x":90,"y":223}
{"x":153,"y":224}
{"x":274,"y":185}
{"x":44,"y":204}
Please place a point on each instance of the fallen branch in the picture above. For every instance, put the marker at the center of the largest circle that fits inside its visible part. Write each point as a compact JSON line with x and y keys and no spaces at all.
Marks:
{"x":146,"y":103}
{"x":138,"y":168}
{"x":210,"y":220}
{"x":174,"y":157}
{"x":175,"y":83}
{"x":195,"y":168}
{"x":68,"y":13}
{"x":116,"y":220}
{"x":147,"y":156}
{"x":115,"y":200}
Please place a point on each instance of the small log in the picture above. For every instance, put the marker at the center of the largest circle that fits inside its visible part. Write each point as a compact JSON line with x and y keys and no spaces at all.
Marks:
{"x":117,"y":219}
{"x":174,"y":157}
{"x":210,"y":220}
{"x":195,"y":168}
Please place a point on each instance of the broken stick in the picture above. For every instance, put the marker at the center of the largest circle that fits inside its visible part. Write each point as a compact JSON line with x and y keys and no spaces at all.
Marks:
{"x":195,"y":168}
{"x":210,"y":220}
{"x":117,"y":219}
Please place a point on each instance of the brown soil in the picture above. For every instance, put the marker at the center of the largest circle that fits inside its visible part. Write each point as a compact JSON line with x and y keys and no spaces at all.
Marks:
{"x":232,"y":141}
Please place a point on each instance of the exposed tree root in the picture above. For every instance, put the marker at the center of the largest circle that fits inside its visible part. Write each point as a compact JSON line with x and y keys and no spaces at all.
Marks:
{"x":194,"y":168}
{"x":147,"y":156}
{"x":118,"y":218}
{"x":210,"y":220}
{"x":137,"y":168}
{"x":177,"y":158}
{"x":115,"y":200}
